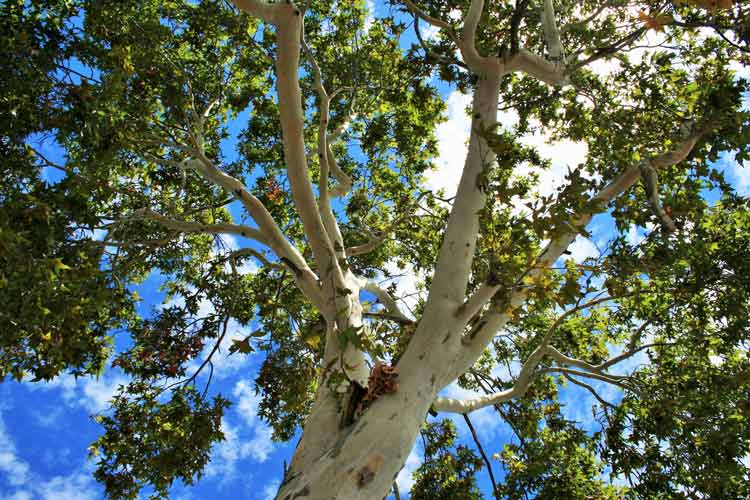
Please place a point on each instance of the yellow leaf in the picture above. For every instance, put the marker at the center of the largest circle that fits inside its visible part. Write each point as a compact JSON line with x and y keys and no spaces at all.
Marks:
{"x":712,"y":5}
{"x":313,"y":342}
{"x":656,"y":22}
{"x":46,"y":337}
{"x":58,"y":265}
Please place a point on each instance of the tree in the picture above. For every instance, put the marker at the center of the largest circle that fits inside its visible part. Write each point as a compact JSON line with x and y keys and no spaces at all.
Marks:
{"x":325,"y":192}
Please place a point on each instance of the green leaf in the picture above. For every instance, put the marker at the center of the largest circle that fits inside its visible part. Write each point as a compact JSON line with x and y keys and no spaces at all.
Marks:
{"x":243,"y":346}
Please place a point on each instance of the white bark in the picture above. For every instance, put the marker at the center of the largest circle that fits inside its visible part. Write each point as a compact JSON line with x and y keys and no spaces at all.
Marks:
{"x":385,"y":298}
{"x":336,"y":460}
{"x":551,"y":33}
{"x":364,"y":459}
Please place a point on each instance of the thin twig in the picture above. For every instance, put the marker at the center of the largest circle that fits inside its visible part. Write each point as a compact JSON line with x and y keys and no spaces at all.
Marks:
{"x":481,"y":451}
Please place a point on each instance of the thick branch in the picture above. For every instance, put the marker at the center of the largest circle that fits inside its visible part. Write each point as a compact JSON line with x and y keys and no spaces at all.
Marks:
{"x":468,"y":43}
{"x":438,"y":23}
{"x":529,"y":372}
{"x":525,"y":377}
{"x":385,"y":298}
{"x":258,"y":8}
{"x":366,"y":247}
{"x":459,"y":242}
{"x":199,"y":227}
{"x":494,"y":320}
{"x":289,"y":25}
{"x":537,"y":66}
{"x":270,"y":233}
{"x":628,"y":354}
{"x":551,"y":33}
{"x":579,"y":363}
{"x":324,"y":201}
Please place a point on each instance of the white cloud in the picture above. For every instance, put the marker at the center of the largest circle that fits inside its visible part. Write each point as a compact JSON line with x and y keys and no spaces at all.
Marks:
{"x":13,"y":469}
{"x":739,"y":173}
{"x":249,"y":440}
{"x":247,"y":402}
{"x":582,"y":248}
{"x":270,"y":489}
{"x":370,"y":16}
{"x":562,"y":154}
{"x":429,"y":32}
{"x":406,"y":280}
{"x":15,"y":472}
{"x":231,"y":243}
{"x":224,"y":364}
{"x":452,"y":136}
{"x":77,"y":486}
{"x":404,"y":479}
{"x":50,"y":417}
{"x":646,"y":45}
{"x":97,"y":393}
{"x":635,"y":235}
{"x":260,"y":447}
{"x":18,"y":495}
{"x":238,"y":445}
{"x":455,"y":14}
{"x":225,"y":454}
{"x":92,"y":394}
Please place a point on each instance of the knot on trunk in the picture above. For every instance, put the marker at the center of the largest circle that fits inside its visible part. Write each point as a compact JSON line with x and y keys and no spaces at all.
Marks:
{"x":382,"y":381}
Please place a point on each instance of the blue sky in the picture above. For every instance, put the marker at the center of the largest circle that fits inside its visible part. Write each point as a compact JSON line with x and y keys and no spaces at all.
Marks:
{"x":45,"y":428}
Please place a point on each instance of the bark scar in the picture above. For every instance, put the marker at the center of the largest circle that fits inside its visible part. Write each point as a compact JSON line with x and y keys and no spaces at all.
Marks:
{"x":382,"y":381}
{"x":367,"y":472}
{"x":364,"y":476}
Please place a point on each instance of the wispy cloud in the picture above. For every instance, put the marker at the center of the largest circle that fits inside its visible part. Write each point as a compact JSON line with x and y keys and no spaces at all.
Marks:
{"x":77,"y":486}
{"x":17,"y":495}
{"x":739,"y":173}
{"x":270,"y":489}
{"x":405,"y":479}
{"x":370,"y":15}
{"x":249,"y":440}
{"x":17,"y":474}
{"x":452,"y":136}
{"x":91,"y":394}
{"x":582,"y":248}
{"x":428,"y":31}
{"x":14,"y":470}
{"x":247,"y":402}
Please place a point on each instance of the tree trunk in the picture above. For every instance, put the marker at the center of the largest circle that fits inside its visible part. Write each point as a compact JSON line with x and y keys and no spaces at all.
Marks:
{"x":366,"y":456}
{"x":361,"y":461}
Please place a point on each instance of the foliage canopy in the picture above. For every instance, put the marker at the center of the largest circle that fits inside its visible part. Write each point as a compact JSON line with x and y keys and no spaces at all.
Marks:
{"x":138,"y":94}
